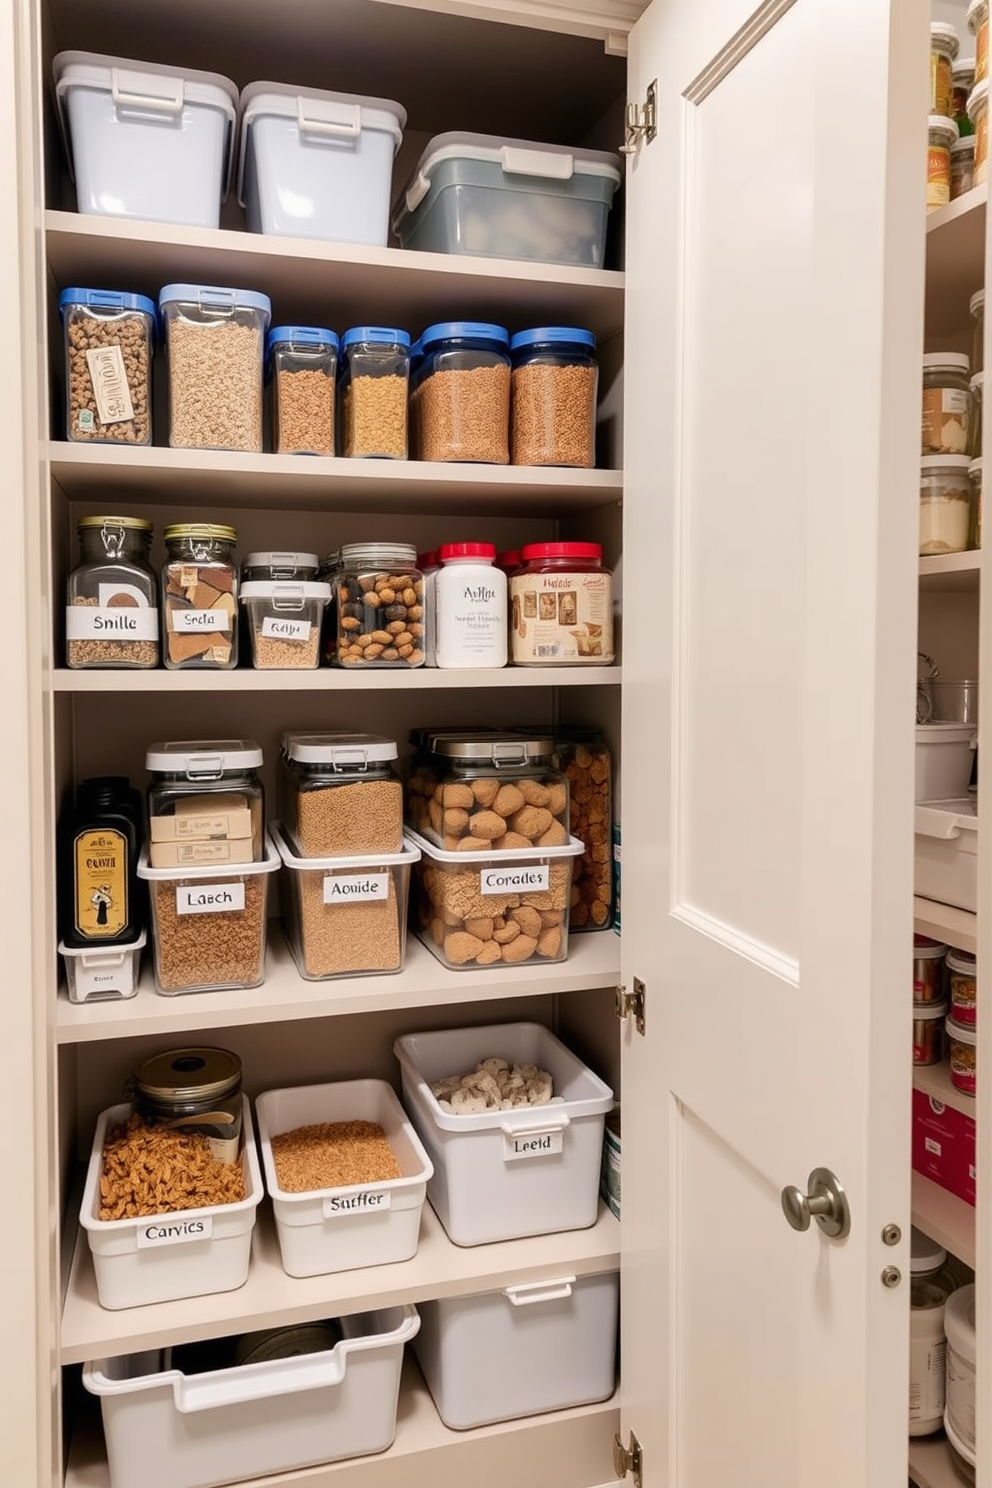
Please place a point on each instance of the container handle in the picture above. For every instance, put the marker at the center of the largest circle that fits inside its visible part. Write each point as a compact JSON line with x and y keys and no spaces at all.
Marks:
{"x":536,"y":1131}
{"x":315,"y":116}
{"x":287,"y":596}
{"x":941,"y":825}
{"x":130,"y":90}
{"x":416,"y":191}
{"x":552,"y":165}
{"x":202,"y":1392}
{"x":540,"y":1291}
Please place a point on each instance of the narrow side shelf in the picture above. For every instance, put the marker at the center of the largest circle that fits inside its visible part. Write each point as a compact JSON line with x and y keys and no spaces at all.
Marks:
{"x":943,"y":572}
{"x":946,"y":1219}
{"x":930,"y":1463}
{"x":958,"y":927}
{"x":955,"y":261}
{"x":334,"y":679}
{"x":935,"y":1080}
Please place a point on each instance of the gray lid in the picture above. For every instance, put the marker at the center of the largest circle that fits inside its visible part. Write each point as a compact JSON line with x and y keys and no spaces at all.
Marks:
{"x":204,"y":758}
{"x":496,"y":748}
{"x":343,"y":751}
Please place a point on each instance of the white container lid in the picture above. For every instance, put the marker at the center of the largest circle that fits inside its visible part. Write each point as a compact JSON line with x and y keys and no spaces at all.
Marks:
{"x":959,"y":1321}
{"x":291,"y":562}
{"x":285,"y":593}
{"x":945,"y":733}
{"x":977,"y":301}
{"x":204,"y":758}
{"x":945,"y":129}
{"x":573,"y":848}
{"x":964,"y":67}
{"x":962,"y":961}
{"x":513,"y":156}
{"x":978,"y":380}
{"x":931,"y":464}
{"x":924,"y":1254}
{"x":962,"y":1448}
{"x":343,"y":749}
{"x":929,"y":1012}
{"x":407,"y":855}
{"x":961,"y":1033}
{"x":943,"y":33}
{"x":932,"y":951}
{"x":954,"y":361}
{"x":975,"y":13}
{"x":963,"y":146}
{"x":111,"y":955}
{"x":195,"y":872}
{"x":975,"y":468}
{"x":978,"y":99}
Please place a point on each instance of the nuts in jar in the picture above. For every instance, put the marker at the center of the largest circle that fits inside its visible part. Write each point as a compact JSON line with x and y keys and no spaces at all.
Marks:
{"x":496,"y":791}
{"x":108,"y":361}
{"x":379,"y":604}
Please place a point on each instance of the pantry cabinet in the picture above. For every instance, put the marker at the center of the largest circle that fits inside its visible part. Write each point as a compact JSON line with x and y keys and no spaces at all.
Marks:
{"x":760,"y":332}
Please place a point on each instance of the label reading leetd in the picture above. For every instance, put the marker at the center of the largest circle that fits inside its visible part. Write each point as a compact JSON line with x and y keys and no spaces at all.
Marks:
{"x":536,"y":877}
{"x":176,"y":1231}
{"x":210,"y":898}
{"x":369,"y":1201}
{"x":355,"y":888}
{"x":518,"y":1145}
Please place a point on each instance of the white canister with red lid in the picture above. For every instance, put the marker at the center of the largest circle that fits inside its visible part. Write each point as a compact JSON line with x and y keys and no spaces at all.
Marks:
{"x":469,"y":607}
{"x":962,"y":978}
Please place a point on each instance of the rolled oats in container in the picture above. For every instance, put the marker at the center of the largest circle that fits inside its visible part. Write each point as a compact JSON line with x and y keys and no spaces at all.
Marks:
{"x":553,"y":410}
{"x":375,"y":376}
{"x":215,"y":339}
{"x":109,"y":339}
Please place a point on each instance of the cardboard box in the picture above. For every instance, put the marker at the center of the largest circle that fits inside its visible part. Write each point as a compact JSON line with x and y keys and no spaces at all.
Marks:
{"x":204,"y":817}
{"x":944,"y":1145}
{"x":200,"y":852}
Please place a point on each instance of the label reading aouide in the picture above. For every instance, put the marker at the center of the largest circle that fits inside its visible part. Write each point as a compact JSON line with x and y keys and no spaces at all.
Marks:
{"x":534,"y":877}
{"x":355,"y":888}
{"x":174,"y":1231}
{"x":218,"y":898}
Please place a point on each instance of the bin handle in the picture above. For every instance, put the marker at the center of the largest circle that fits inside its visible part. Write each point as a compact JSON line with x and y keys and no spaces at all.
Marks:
{"x":316,"y":117}
{"x":536,"y":1131}
{"x":288,"y":597}
{"x":129,"y":90}
{"x":554,"y":166}
{"x":416,"y":191}
{"x":257,"y":1382}
{"x":540,"y":1291}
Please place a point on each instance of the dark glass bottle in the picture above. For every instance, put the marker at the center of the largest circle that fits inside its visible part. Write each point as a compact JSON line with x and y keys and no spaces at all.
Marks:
{"x":100,"y":837}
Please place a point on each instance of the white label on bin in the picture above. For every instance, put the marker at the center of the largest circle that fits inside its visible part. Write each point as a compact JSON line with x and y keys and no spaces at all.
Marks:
{"x":357,"y":888}
{"x":517,"y":1145}
{"x":369,"y":1201}
{"x":110,"y":385}
{"x":196,"y":620}
{"x":174,"y":1232}
{"x":535,"y":876}
{"x":223,"y":898}
{"x":932,"y":1145}
{"x":100,"y":622}
{"x":286,"y":630}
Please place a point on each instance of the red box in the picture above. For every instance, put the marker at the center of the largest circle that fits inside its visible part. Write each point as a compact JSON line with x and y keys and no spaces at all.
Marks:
{"x":944,"y":1145}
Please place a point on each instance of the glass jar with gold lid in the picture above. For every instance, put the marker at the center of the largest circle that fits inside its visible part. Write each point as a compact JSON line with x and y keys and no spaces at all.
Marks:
{"x":111,"y":617}
{"x":200,"y":597}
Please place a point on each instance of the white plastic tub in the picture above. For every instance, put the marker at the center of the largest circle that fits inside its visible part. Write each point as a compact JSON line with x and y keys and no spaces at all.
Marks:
{"x":945,"y":753}
{"x":337,"y":1229}
{"x":959,"y":1326}
{"x":542,"y":1346}
{"x":144,"y":141}
{"x":318,"y":164}
{"x":501,"y":1175}
{"x":197,"y":1251}
{"x":102,"y":973}
{"x":946,"y":852}
{"x":165,"y":1429}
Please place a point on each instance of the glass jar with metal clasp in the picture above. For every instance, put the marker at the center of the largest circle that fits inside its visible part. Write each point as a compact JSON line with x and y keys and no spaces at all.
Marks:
{"x":200,"y":584}
{"x":111,"y":617}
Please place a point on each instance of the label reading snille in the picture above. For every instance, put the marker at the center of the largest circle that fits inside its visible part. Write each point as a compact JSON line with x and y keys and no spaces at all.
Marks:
{"x":281,"y":629}
{"x":99,"y":622}
{"x":198,"y":620}
{"x":110,"y":386}
{"x":520,"y":1145}
{"x":210,"y":898}
{"x":355,"y":888}
{"x":169,"y":1231}
{"x":369,"y":1201}
{"x":535,"y":877}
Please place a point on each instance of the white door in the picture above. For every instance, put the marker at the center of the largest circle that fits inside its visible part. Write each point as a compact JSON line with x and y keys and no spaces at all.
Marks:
{"x":775,"y":232}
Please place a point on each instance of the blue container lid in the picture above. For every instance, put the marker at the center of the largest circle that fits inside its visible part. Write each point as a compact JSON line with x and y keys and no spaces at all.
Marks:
{"x":301,"y":336}
{"x":553,"y":335}
{"x":213,"y":296}
{"x":376,"y":335}
{"x":464,"y":330}
{"x":111,"y":300}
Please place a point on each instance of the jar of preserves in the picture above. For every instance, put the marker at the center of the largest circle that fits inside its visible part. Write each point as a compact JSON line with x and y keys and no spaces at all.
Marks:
{"x":945,"y":504}
{"x":928,"y":969}
{"x":461,"y":393}
{"x":379,"y":606}
{"x":931,"y":1283}
{"x":944,"y":45}
{"x":555,"y":379}
{"x":109,"y":340}
{"x":375,"y":373}
{"x":978,"y":25}
{"x":111,"y":617}
{"x":195,"y":1090}
{"x":200,"y":597}
{"x":962,"y":1046}
{"x":928,"y":1031}
{"x":962,"y":82}
{"x":942,"y":134}
{"x":561,"y":606}
{"x":302,"y":371}
{"x":215,"y":339}
{"x":498,"y":791}
{"x":945,"y":408}
{"x":962,"y":981}
{"x":978,"y":113}
{"x":340,"y":795}
{"x":975,"y":481}
{"x":962,"y":165}
{"x":205,"y":791}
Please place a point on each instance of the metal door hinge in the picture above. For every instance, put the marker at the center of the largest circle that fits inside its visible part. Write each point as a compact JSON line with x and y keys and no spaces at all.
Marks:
{"x":628,"y":1459}
{"x":641,"y":122}
{"x":632,"y":1004}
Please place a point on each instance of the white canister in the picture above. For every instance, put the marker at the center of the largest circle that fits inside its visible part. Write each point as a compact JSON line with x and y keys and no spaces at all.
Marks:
{"x":930,"y":1287}
{"x":959,"y":1325}
{"x":469,"y":607}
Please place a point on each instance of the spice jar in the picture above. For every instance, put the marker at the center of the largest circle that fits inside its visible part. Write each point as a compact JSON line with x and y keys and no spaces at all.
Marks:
{"x":978,"y":113}
{"x":111,"y":617}
{"x":945,"y":403}
{"x":962,"y":1042}
{"x":553,"y":415}
{"x":302,"y":367}
{"x":195,"y":1090}
{"x":928,"y":1031}
{"x":284,"y":618}
{"x":461,"y":392}
{"x":109,"y":337}
{"x":497,"y":790}
{"x":205,"y":792}
{"x":931,"y":1283}
{"x":561,"y":606}
{"x":944,"y":45}
{"x":975,"y":481}
{"x":379,"y":606}
{"x":200,"y":597}
{"x":962,"y":165}
{"x":469,"y":607}
{"x":340,"y":795}
{"x":962,"y":81}
{"x":945,"y":504}
{"x":963,"y":986}
{"x":303,"y":566}
{"x":375,"y":371}
{"x":942,"y":134}
{"x":215,"y":340}
{"x":978,"y":25}
{"x":928,"y":969}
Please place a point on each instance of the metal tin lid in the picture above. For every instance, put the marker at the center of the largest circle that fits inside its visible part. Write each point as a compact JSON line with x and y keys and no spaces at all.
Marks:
{"x":208,"y":530}
{"x":133,"y":524}
{"x":342,"y":751}
{"x":204,"y":758}
{"x":378,"y":552}
{"x":181,"y":1073}
{"x":924,"y":1254}
{"x":498,"y":749}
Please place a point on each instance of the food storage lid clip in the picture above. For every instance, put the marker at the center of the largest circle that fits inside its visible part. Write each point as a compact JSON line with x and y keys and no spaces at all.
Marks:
{"x":214,"y":299}
{"x":204,"y":759}
{"x":341,"y":751}
{"x":955,"y":361}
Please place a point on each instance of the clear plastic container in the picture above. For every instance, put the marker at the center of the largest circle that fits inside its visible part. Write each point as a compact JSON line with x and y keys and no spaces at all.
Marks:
{"x":962,"y":164}
{"x":461,"y":393}
{"x":962,"y":1041}
{"x":340,"y":795}
{"x":962,"y":984}
{"x":200,"y":585}
{"x":103,"y":974}
{"x":553,"y":415}
{"x":379,"y":606}
{"x":109,"y":341}
{"x":975,"y":481}
{"x":946,"y":404}
{"x":375,"y":375}
{"x":977,"y":395}
{"x":941,"y":136}
{"x":944,"y":44}
{"x":300,"y":566}
{"x":429,"y":563}
{"x":284,"y":619}
{"x":561,"y":606}
{"x":945,"y":504}
{"x":204,"y":792}
{"x":931,"y":1283}
{"x":302,"y":363}
{"x":583,"y":756}
{"x":978,"y":113}
{"x":111,"y":617}
{"x":978,"y":25}
{"x":928,"y":1032}
{"x":487,"y":790}
{"x":928,"y":969}
{"x":215,"y":339}
{"x":954,"y":700}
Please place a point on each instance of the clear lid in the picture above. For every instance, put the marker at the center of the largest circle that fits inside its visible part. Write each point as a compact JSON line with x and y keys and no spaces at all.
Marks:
{"x":924,"y":1254}
{"x":954,"y":361}
{"x":204,"y":759}
{"x":408,"y":854}
{"x":342,"y":751}
{"x":184,"y":1074}
{"x":930,"y":464}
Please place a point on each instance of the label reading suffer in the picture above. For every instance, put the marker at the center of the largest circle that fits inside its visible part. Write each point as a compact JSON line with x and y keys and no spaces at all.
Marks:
{"x":368,"y":1201}
{"x":355,"y":888}
{"x":98,"y":622}
{"x":520,"y":1145}
{"x":110,"y":386}
{"x":100,"y":872}
{"x":285,"y":630}
{"x":191,"y":621}
{"x":535,"y":877}
{"x":210,"y":898}
{"x":172,"y":1231}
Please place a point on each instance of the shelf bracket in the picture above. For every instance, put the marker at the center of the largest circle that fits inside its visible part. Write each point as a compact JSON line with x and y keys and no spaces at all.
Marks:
{"x":628,"y":1459}
{"x":632,"y":1004}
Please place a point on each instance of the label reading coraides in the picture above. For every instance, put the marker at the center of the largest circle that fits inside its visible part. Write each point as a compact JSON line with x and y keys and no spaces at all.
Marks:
{"x":217,"y":618}
{"x":367,"y":1201}
{"x":355,"y":888}
{"x":286,"y":630}
{"x":530,"y":1143}
{"x":110,"y":386}
{"x":220,"y":898}
{"x":534,"y":877}
{"x":174,"y":1231}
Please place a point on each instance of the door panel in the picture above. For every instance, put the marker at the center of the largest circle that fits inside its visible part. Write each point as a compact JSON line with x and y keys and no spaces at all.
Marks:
{"x":774,"y":330}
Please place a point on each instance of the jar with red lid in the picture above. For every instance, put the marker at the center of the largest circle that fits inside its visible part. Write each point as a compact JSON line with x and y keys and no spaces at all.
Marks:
{"x":928,"y":969}
{"x":508,"y":560}
{"x":561,"y":606}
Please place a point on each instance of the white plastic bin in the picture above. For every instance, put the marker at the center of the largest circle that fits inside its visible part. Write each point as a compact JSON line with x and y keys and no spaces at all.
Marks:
{"x":501,"y":1175}
{"x":318,"y":164}
{"x":165,"y":1429}
{"x":138,"y":1261}
{"x":944,"y":756}
{"x":102,"y":973}
{"x":946,"y":855}
{"x":337,"y":1229}
{"x":144,"y":141}
{"x":541,"y":1346}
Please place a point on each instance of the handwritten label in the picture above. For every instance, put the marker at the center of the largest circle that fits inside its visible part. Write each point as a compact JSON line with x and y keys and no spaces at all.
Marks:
{"x":518,"y":1145}
{"x":356,"y":888}
{"x":196,"y":620}
{"x":285,"y":630}
{"x":369,"y":1201}
{"x":210,"y":899}
{"x":98,"y":622}
{"x":932,"y":1145}
{"x":535,"y":877}
{"x":110,"y":386}
{"x":174,"y":1232}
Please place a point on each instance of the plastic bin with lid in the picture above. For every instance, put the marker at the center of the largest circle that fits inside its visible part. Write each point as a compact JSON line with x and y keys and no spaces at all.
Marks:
{"x":340,"y":795}
{"x":946,"y":852}
{"x":102,"y":974}
{"x":504,"y":1174}
{"x":945,"y":754}
{"x":169,"y":1429}
{"x":145,"y":141}
{"x":499,"y":787}
{"x":508,"y":198}
{"x":215,"y":339}
{"x":317,"y":164}
{"x":284,"y":621}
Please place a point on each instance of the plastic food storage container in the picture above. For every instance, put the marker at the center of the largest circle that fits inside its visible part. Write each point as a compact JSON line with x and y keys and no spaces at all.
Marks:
{"x":976,"y":307}
{"x":144,"y":141}
{"x":928,"y":969}
{"x":302,"y":364}
{"x":375,"y":377}
{"x":379,"y":606}
{"x":200,"y":597}
{"x":102,"y":974}
{"x":367,"y":1223}
{"x":501,"y":1175}
{"x":959,"y":1413}
{"x":931,"y":1283}
{"x":301,"y":566}
{"x":945,"y":754}
{"x":978,"y":25}
{"x":507,"y":198}
{"x":962,"y":1041}
{"x":185,"y":1253}
{"x":529,"y":1347}
{"x":978,"y":113}
{"x":962,"y":979}
{"x":111,"y":617}
{"x":928,"y":1031}
{"x":975,"y":481}
{"x":977,"y":393}
{"x":561,"y":606}
{"x":610,"y":1167}
{"x":583,"y":756}
{"x":215,"y":340}
{"x":487,"y":786}
{"x":553,"y":408}
{"x":945,"y":504}
{"x":962,"y":80}
{"x":962,"y":164}
{"x":109,"y":340}
{"x":316,"y":164}
{"x":946,"y":852}
{"x":346,"y":916}
{"x":461,"y":393}
{"x":340,"y":795}
{"x":205,"y":795}
{"x":195,"y":1091}
{"x":284,"y":619}
{"x":942,"y":134}
{"x":946,"y":403}
{"x":167,"y":1429}
{"x":944,"y":45}
{"x":954,"y":700}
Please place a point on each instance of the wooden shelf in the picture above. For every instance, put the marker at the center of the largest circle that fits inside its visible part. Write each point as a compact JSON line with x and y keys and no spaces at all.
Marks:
{"x":955,"y":262}
{"x":946,"y":1219}
{"x":270,"y":1298}
{"x":284,"y":996}
{"x":944,"y":572}
{"x":930,"y":1463}
{"x":333,"y":679}
{"x":958,"y":927}
{"x":935,"y":1080}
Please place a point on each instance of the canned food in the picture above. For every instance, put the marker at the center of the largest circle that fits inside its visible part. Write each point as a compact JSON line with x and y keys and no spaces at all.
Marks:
{"x":928,"y":969}
{"x":928,"y":1032}
{"x":195,"y":1090}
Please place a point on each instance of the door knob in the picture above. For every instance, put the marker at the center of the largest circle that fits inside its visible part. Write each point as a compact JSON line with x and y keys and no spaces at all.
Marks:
{"x":826,"y":1202}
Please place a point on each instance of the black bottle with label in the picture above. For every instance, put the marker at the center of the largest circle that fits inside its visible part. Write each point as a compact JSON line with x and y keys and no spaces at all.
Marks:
{"x":101,"y":899}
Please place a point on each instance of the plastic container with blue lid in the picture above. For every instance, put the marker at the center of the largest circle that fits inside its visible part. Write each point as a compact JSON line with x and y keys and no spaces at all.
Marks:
{"x":375,"y":377}
{"x":460,"y":393}
{"x":109,"y":339}
{"x":215,"y":339}
{"x":303,"y":363}
{"x":555,"y":381}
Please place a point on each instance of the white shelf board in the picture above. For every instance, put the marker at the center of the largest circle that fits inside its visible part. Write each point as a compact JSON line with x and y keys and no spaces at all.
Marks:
{"x":935,"y":1080}
{"x":593,"y":961}
{"x":958,"y":927}
{"x":231,"y":479}
{"x":930,"y":1462}
{"x":955,"y":261}
{"x":946,"y":1219}
{"x":270,"y":1298}
{"x":943,"y":572}
{"x":332,"y":679}
{"x":340,"y":284}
